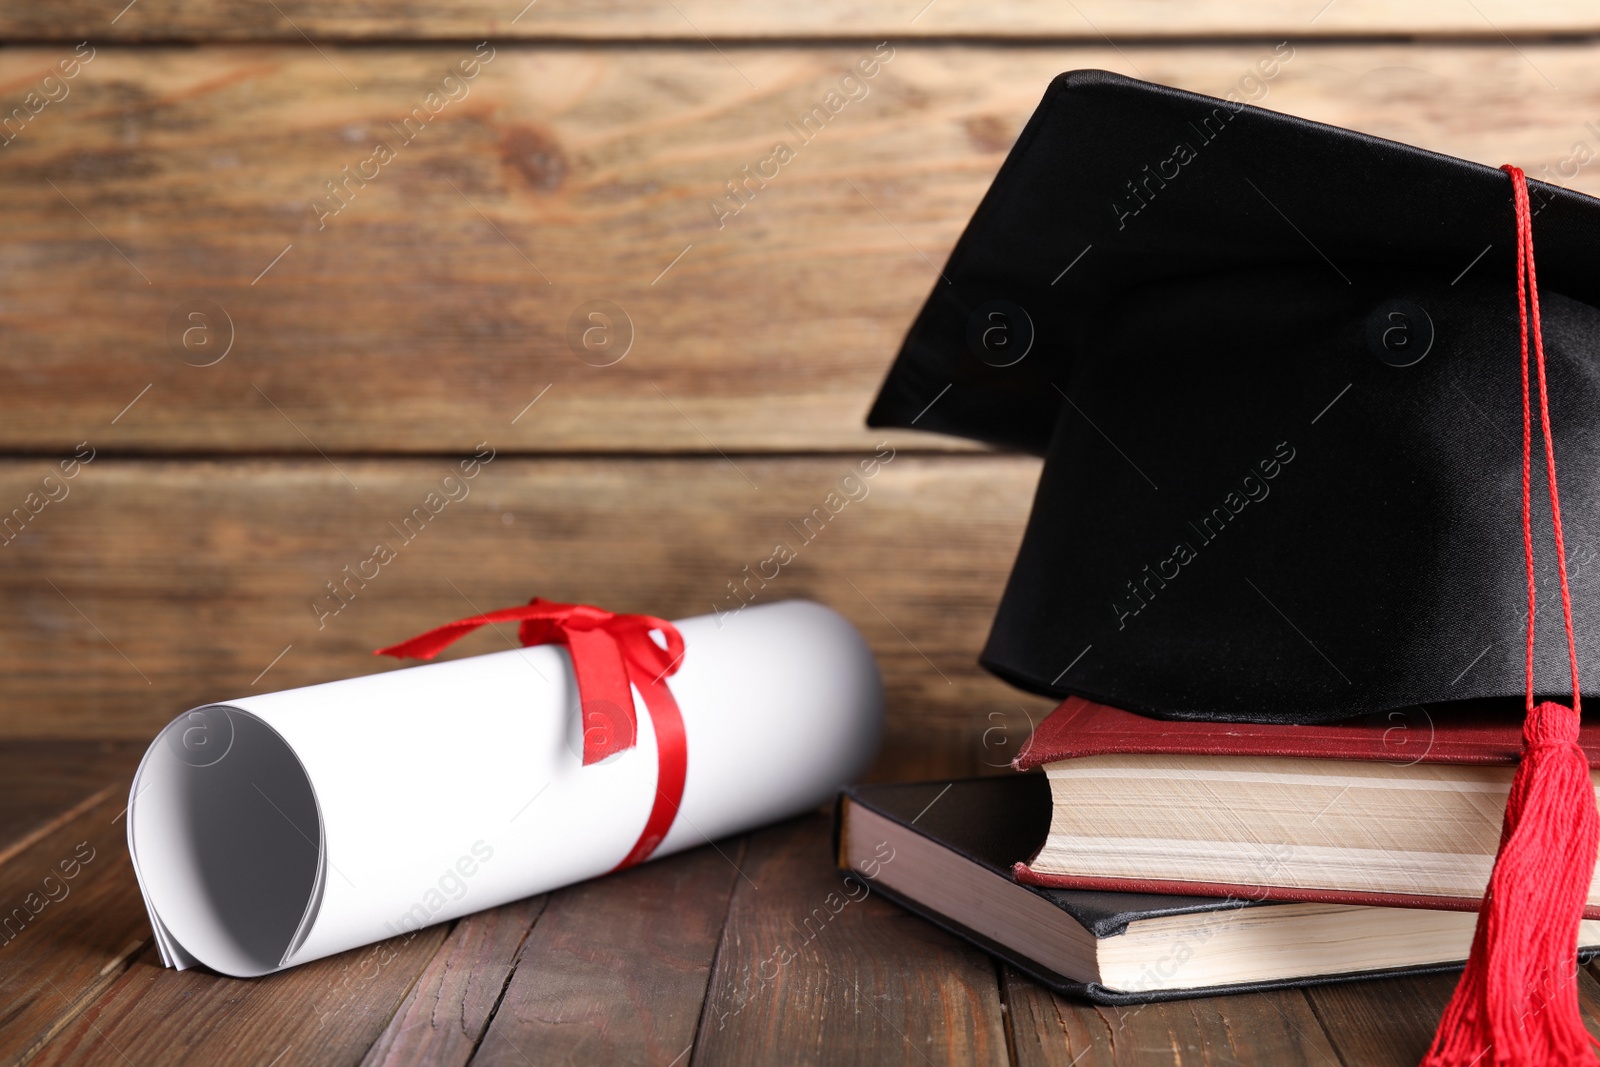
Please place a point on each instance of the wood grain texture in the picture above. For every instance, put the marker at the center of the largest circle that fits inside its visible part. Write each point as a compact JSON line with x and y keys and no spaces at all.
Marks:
{"x":813,"y":972}
{"x":81,"y":981}
{"x":627,"y":948}
{"x":446,"y":1013}
{"x":155,"y":587}
{"x":327,"y":1012}
{"x":616,"y":969}
{"x":41,"y":781}
{"x":1390,"y":1023}
{"x":1275,"y":1029}
{"x":439,"y":298}
{"x":694,"y":19}
{"x":65,"y":940}
{"x":440,"y":302}
{"x":1398,"y":1035}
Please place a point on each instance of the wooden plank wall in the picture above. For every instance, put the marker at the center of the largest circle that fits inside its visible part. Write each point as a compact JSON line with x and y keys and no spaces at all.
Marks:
{"x":268,"y":273}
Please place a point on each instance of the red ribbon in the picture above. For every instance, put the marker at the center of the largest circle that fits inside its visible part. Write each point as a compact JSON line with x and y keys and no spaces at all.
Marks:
{"x":611,"y":655}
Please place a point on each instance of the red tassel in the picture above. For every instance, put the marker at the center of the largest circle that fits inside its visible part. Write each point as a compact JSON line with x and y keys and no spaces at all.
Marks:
{"x":1517,"y":1001}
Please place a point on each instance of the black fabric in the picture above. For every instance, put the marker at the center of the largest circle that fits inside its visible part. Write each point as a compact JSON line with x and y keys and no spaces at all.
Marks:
{"x":1257,"y":502}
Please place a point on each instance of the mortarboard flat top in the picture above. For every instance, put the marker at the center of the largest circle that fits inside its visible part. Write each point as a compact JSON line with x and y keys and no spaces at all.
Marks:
{"x":1273,"y":368}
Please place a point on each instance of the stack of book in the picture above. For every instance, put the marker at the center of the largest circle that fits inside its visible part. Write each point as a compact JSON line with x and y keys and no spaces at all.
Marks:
{"x":1154,"y":859}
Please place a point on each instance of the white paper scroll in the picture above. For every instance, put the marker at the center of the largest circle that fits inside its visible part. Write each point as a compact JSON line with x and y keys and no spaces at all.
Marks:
{"x":280,"y":828}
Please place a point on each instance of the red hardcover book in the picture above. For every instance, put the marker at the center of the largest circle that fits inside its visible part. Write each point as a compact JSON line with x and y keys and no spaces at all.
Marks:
{"x":1396,"y":811}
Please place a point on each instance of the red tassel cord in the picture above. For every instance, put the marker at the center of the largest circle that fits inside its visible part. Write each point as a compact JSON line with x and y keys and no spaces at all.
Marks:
{"x":1517,"y":1001}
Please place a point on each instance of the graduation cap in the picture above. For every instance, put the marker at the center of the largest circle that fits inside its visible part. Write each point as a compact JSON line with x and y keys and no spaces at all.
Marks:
{"x":1272,"y":368}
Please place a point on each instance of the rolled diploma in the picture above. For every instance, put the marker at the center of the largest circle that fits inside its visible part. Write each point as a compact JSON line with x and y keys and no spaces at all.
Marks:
{"x":284,"y":827}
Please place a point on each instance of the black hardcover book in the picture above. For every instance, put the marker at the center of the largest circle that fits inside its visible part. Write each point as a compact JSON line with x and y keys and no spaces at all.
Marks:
{"x":944,"y":850}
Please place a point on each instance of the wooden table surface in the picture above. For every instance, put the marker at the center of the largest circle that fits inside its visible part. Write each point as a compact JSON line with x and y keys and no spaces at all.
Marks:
{"x":665,"y":964}
{"x":258,"y":363}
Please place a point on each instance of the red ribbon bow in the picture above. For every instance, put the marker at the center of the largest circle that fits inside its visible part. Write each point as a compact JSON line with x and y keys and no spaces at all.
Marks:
{"x":611,"y":655}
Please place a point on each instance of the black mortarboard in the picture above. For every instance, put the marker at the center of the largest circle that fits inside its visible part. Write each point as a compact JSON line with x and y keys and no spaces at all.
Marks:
{"x":1272,"y":366}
